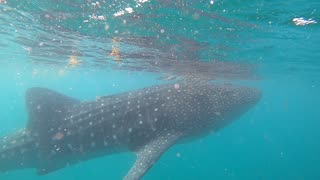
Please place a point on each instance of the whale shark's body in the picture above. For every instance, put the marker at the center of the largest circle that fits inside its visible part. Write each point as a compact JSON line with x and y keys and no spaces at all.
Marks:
{"x":63,"y":131}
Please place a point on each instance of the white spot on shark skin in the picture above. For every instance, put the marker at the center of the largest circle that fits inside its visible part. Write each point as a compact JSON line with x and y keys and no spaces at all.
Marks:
{"x":130,"y":130}
{"x":113,"y":114}
{"x":114,"y":136}
{"x":176,"y":86}
{"x":93,"y":144}
{"x":70,"y":146}
{"x":140,"y":122}
{"x":57,"y":148}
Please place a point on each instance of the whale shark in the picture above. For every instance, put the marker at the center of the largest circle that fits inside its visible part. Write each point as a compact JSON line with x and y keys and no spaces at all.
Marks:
{"x":62,"y":130}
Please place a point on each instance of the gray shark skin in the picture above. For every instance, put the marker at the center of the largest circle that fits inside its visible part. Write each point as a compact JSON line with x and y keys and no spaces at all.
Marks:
{"x":62,"y":131}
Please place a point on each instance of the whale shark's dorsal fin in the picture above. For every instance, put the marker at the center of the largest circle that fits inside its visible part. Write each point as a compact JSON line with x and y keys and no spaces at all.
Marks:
{"x":149,"y":154}
{"x":45,"y":107}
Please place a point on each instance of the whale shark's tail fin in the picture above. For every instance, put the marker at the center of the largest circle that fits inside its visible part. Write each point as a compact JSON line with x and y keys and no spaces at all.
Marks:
{"x":27,"y":148}
{"x":17,"y":151}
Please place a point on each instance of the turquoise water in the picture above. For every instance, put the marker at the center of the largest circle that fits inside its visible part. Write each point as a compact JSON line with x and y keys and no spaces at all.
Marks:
{"x":85,"y":49}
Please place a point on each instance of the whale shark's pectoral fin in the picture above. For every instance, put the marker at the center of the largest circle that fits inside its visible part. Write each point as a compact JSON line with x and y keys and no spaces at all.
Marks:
{"x":149,"y":154}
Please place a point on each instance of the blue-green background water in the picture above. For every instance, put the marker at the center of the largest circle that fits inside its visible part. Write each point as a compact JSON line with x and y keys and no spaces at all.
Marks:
{"x":277,"y":139}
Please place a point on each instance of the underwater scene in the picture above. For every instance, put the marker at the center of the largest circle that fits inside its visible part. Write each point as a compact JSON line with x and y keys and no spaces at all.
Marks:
{"x":159,"y":89}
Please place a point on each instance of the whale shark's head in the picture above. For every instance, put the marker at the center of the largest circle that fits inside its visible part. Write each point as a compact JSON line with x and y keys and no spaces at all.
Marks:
{"x":228,"y":102}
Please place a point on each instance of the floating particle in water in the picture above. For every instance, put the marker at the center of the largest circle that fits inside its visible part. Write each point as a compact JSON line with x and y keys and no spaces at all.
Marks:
{"x":61,"y":72}
{"x":34,"y":72}
{"x":106,"y":27}
{"x":178,"y":154}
